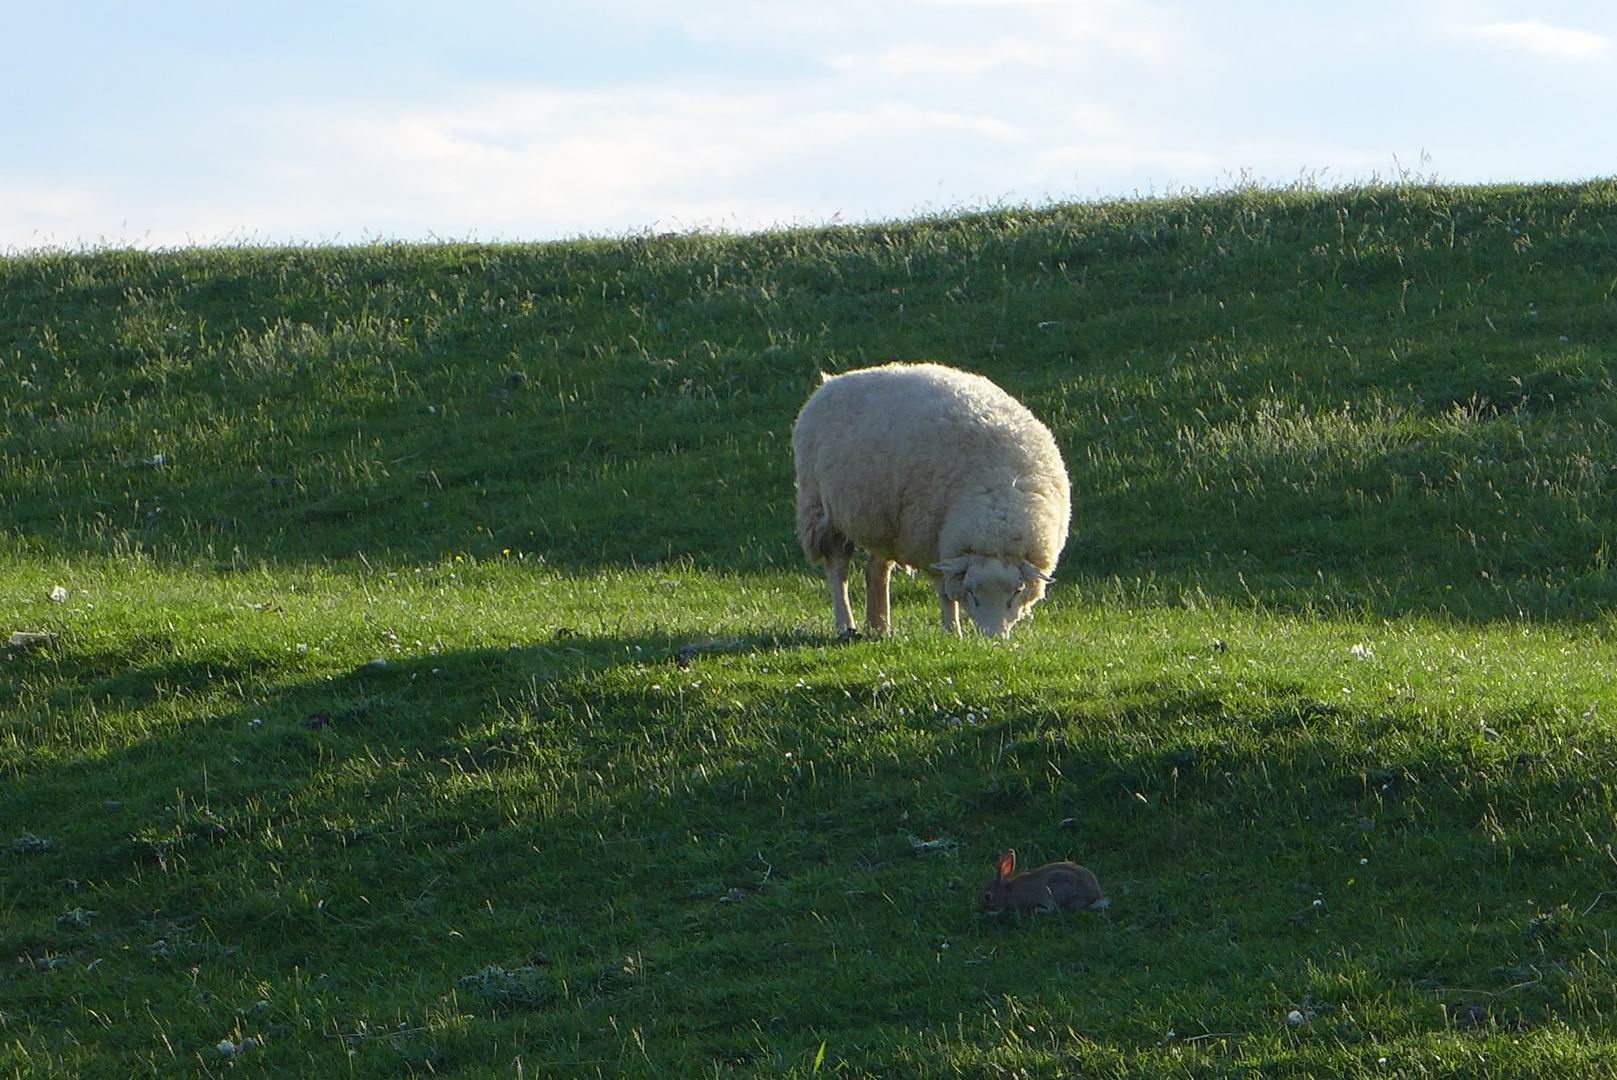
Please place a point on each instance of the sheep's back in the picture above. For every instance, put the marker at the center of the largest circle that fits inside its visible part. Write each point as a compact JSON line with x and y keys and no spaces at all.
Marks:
{"x":903,"y":453}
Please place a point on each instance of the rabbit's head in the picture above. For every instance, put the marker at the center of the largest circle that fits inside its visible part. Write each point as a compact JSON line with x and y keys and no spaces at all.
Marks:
{"x":996,"y":894}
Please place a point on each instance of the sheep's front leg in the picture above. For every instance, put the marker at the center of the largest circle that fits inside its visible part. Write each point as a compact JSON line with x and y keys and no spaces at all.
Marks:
{"x":836,"y":571}
{"x":878,"y":574}
{"x":951,"y":611}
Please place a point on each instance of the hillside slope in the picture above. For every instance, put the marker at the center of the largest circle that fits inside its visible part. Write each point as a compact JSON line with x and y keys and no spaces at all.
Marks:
{"x":1405,"y":390}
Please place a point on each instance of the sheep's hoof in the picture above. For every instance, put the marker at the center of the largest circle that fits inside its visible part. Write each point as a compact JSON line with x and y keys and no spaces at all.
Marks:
{"x":850,"y":634}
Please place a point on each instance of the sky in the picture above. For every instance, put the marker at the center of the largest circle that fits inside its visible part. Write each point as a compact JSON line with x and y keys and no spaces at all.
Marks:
{"x":162,"y":124}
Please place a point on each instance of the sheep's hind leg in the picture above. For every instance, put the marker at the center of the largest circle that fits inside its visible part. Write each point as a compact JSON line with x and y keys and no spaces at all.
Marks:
{"x":878,"y":575}
{"x":836,"y":572}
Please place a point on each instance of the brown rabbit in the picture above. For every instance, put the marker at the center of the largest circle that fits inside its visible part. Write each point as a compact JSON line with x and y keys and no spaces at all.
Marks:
{"x":1058,"y":886}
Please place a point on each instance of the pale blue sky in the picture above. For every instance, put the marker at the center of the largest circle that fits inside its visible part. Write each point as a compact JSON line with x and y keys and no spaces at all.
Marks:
{"x":166,"y":123}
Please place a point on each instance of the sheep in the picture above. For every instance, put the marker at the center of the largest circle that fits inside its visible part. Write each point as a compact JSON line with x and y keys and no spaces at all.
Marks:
{"x":937,"y":469}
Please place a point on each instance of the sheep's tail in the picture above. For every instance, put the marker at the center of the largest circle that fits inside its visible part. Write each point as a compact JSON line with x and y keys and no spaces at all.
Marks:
{"x":821,"y":540}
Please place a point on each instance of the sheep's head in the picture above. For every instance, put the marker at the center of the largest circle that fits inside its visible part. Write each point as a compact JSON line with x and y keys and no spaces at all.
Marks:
{"x":996,"y":592}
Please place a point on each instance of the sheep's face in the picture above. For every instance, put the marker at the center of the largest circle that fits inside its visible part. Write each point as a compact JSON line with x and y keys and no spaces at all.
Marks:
{"x":995,"y":592}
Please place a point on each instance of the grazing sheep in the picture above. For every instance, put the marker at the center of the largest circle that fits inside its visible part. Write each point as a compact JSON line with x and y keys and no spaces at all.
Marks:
{"x":933,"y":468}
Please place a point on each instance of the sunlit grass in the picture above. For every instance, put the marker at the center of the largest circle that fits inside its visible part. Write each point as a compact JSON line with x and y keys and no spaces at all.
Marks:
{"x":1375,"y":824}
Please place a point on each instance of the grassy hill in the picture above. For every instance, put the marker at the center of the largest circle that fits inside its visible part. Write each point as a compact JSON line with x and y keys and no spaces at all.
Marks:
{"x":1400,"y":387}
{"x":1322,"y":693}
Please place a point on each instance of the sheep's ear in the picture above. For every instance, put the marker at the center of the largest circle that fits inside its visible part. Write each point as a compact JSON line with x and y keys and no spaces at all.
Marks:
{"x":1033,"y":573}
{"x":954,"y":576}
{"x":1007,"y":863}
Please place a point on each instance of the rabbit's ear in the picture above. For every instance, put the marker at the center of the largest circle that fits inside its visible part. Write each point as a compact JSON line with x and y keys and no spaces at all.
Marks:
{"x":1007,"y":863}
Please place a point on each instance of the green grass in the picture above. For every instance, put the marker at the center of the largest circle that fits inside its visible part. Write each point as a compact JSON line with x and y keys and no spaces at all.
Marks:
{"x":1323,"y":693}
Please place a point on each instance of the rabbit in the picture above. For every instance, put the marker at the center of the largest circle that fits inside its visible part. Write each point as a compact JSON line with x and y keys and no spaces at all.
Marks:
{"x":1058,"y":886}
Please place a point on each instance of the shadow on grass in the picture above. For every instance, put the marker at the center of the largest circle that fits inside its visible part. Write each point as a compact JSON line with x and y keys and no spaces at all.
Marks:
{"x":740,"y":874}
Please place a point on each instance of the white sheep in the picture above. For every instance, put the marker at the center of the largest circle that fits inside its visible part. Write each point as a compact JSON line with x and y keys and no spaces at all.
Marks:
{"x":932,"y":468}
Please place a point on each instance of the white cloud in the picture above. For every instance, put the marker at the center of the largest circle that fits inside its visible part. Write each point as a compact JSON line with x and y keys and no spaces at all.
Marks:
{"x":1546,"y":40}
{"x":958,"y":39}
{"x":912,"y":59}
{"x":634,"y":157}
{"x":34,"y":215}
{"x":530,"y":163}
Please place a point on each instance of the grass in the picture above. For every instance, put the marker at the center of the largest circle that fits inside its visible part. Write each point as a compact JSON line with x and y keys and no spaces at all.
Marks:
{"x":1323,"y":694}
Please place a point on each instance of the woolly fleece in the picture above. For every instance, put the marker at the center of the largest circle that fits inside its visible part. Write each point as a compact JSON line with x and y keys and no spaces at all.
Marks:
{"x":922,"y":463}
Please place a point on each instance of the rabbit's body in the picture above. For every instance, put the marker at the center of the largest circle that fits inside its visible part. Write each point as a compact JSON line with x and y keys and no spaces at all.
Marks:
{"x":1057,"y":886}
